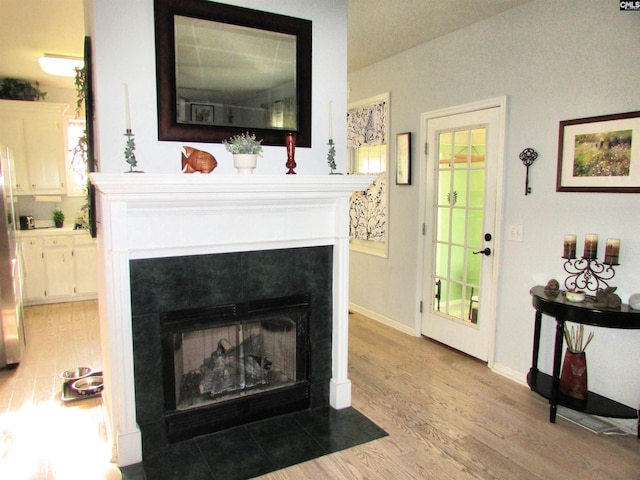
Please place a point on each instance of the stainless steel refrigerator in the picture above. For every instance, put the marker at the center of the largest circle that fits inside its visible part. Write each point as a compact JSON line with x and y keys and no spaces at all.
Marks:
{"x":11,"y":328}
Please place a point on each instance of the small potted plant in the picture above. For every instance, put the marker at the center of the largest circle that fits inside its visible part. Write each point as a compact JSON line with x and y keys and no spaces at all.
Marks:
{"x":245,"y":149}
{"x":58,"y":218}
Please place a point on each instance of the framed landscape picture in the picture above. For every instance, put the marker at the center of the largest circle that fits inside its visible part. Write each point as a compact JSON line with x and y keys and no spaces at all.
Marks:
{"x":600,"y":154}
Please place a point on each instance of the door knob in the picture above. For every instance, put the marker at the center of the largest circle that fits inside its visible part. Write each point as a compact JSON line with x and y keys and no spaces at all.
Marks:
{"x":486,"y":251}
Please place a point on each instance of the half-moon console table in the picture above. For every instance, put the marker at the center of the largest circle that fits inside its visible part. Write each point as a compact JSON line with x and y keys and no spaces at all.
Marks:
{"x":585,"y":313}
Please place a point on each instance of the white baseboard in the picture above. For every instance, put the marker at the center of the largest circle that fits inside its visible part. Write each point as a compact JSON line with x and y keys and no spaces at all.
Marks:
{"x":510,"y":373}
{"x":382,"y":319}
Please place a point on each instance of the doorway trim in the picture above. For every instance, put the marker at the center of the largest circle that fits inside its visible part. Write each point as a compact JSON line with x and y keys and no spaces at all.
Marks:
{"x":501,"y":103}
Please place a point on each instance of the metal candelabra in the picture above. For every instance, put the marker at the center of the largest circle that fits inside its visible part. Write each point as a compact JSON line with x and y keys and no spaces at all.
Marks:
{"x":587,"y":273}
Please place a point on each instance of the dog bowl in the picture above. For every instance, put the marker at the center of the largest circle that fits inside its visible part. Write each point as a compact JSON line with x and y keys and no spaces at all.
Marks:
{"x":575,"y":296}
{"x":76,"y":373}
{"x":88,"y":385}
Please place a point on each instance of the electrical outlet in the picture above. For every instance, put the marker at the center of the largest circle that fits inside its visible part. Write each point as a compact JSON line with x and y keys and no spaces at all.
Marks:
{"x":515,"y":233}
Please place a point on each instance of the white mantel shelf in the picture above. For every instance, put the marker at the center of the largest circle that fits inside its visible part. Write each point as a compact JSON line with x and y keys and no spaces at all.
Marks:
{"x":143,"y":215}
{"x":154,"y":183}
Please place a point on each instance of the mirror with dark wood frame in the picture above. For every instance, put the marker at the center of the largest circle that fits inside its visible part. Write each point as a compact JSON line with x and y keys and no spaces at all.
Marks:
{"x":223,"y":70}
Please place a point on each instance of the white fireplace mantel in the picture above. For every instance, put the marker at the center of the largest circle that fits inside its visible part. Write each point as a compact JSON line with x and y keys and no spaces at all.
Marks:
{"x":158,"y":215}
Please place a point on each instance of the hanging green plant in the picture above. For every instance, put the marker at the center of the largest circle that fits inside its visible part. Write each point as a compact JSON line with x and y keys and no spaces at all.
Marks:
{"x":80,"y":151}
{"x":16,"y":89}
{"x":80,"y":83}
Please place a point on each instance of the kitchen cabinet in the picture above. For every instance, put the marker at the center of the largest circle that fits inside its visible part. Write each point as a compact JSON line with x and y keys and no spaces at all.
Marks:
{"x":33,"y":281}
{"x":84,"y":261}
{"x":58,"y":266}
{"x":34,"y":131}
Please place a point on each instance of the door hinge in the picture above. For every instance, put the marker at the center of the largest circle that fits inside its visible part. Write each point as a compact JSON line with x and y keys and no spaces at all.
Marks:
{"x":424,"y":229}
{"x":426,"y":148}
{"x":420,"y":306}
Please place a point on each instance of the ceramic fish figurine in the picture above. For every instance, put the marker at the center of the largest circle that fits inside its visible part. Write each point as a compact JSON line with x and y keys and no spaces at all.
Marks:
{"x":197,"y":161}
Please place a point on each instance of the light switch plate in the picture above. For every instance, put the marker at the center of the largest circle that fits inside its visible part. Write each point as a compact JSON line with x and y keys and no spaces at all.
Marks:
{"x":515,"y":233}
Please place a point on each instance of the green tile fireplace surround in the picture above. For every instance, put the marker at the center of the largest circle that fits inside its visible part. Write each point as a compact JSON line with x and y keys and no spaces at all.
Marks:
{"x":177,"y":283}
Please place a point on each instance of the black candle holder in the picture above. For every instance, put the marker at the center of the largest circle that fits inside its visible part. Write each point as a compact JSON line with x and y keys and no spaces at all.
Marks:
{"x":587,"y":273}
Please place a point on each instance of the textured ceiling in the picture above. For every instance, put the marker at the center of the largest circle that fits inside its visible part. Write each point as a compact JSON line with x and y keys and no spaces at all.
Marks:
{"x":379,"y":29}
{"x":29,"y":28}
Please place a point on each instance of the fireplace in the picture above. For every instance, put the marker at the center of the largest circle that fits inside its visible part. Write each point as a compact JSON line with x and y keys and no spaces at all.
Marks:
{"x":187,"y":230}
{"x":203,"y":325}
{"x":232,"y":364}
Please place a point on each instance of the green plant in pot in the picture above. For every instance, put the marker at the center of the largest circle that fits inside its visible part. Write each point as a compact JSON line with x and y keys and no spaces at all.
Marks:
{"x":58,"y":218}
{"x":245,"y":149}
{"x":16,"y":89}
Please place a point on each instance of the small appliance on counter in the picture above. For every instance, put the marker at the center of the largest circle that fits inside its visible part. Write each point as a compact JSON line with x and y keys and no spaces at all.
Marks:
{"x":27,"y":222}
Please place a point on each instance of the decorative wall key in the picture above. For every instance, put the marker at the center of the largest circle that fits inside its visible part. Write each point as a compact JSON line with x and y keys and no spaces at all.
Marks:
{"x":528,"y":155}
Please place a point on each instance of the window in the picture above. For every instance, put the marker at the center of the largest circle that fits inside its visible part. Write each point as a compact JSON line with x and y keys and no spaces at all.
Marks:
{"x":367,"y":138}
{"x":369,"y":160}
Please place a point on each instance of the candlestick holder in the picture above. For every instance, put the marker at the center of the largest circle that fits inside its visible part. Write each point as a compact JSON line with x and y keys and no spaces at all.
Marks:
{"x":129,"y":156}
{"x":331,"y":157}
{"x":587,"y":273}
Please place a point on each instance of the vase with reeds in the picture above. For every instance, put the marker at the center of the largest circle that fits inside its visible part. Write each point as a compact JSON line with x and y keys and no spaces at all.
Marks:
{"x":573,"y":377}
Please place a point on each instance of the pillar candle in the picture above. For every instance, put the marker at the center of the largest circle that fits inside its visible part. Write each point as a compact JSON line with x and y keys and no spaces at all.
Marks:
{"x":569,"y":246}
{"x":330,"y":120}
{"x":612,"y":251}
{"x":126,"y":107}
{"x":590,"y":246}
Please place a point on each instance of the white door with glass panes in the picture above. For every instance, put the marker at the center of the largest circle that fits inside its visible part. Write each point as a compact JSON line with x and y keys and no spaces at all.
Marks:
{"x":461,"y":201}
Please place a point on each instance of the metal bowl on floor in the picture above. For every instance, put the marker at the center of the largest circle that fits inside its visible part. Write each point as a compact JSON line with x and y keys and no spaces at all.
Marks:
{"x":76,"y":373}
{"x":88,"y":385}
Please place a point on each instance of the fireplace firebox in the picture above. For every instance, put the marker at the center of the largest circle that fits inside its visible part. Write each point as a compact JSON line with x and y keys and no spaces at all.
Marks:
{"x":227,"y":365}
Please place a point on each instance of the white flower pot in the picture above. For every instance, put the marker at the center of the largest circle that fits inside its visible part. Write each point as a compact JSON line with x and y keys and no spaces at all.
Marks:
{"x":245,"y":162}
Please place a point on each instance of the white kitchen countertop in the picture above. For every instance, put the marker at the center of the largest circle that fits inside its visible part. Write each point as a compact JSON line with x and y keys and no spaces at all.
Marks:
{"x":42,"y":232}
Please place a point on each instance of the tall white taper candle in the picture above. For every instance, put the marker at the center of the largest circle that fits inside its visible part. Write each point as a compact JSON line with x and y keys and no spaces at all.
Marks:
{"x":126,"y":107}
{"x":330,"y":120}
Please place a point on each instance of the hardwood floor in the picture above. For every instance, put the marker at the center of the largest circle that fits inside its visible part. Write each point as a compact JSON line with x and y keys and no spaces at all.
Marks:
{"x":42,"y":438}
{"x":448,"y":416}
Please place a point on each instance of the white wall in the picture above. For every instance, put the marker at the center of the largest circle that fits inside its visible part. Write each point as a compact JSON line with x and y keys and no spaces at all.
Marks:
{"x":122,"y":32}
{"x":554,"y":61}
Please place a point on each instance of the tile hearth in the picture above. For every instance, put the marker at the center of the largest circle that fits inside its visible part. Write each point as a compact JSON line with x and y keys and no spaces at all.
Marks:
{"x":258,"y":448}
